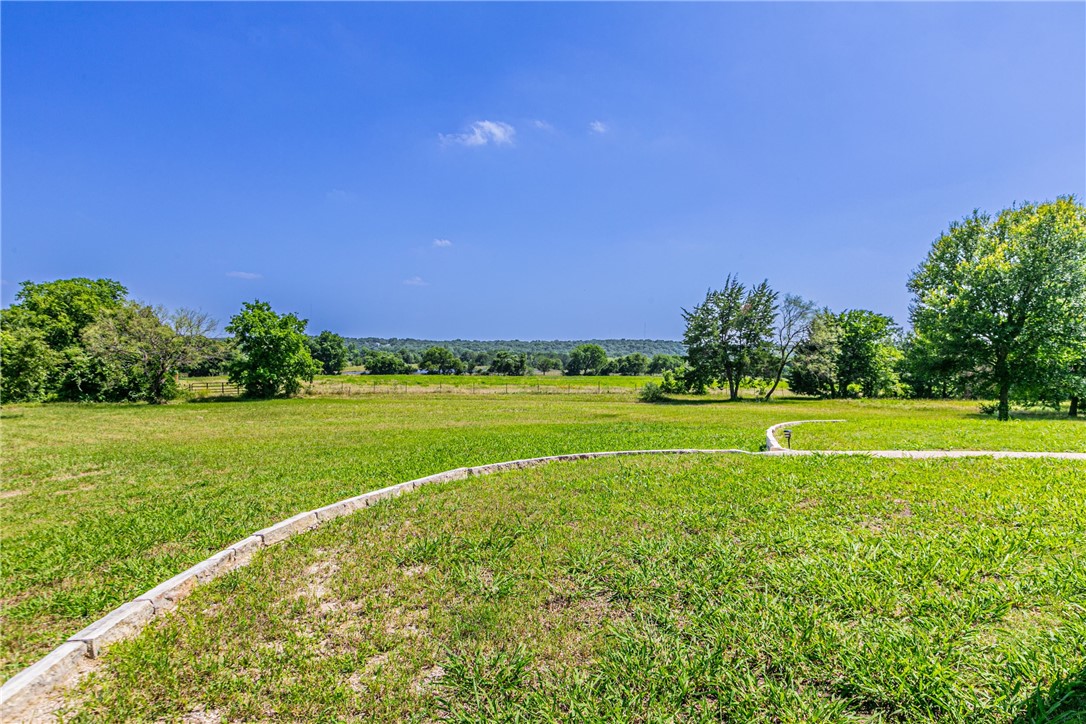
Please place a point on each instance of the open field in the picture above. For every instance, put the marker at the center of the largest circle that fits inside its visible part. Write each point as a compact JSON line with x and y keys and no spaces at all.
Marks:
{"x":101,"y":502}
{"x":738,"y":588}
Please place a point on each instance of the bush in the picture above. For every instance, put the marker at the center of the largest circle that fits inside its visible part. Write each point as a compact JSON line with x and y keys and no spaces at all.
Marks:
{"x":651,"y":392}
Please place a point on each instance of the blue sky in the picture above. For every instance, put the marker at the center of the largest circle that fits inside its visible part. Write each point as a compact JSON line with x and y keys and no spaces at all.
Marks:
{"x":528,"y":171}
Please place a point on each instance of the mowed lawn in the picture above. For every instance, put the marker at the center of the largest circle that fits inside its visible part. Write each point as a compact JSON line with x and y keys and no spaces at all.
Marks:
{"x":701,"y":588}
{"x":100,"y":502}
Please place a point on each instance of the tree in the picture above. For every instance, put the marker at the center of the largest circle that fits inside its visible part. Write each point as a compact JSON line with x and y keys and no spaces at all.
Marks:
{"x":866,"y":354}
{"x":330,"y":351}
{"x":1005,"y":298}
{"x":727,"y":335}
{"x":384,"y":363}
{"x":813,"y":370}
{"x":663,"y":362}
{"x":274,"y":354}
{"x":441,"y":361}
{"x":149,"y":345}
{"x":507,"y":363}
{"x":546,"y":363}
{"x":29,"y":364}
{"x":793,"y":326}
{"x":633,"y":364}
{"x":55,"y":314}
{"x":586,"y":359}
{"x":62,"y":309}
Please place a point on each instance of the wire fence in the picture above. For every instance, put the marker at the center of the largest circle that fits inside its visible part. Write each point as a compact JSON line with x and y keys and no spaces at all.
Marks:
{"x":375,"y":388}
{"x":219,"y":388}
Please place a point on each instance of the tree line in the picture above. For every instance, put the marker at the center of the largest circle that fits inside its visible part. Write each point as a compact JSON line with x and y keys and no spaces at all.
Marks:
{"x":998,"y":312}
{"x":535,"y":348}
{"x":583,"y":359}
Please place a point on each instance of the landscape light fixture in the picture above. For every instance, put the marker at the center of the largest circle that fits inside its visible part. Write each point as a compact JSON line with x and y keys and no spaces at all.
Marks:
{"x":788,"y":438}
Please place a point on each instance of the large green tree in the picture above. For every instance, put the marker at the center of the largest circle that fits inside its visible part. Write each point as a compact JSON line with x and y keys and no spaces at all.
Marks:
{"x":27,"y":364}
{"x":586,"y":359}
{"x":728,"y":335}
{"x":149,"y":346}
{"x":330,"y":350}
{"x":851,"y":354}
{"x":441,"y":361}
{"x":384,"y":363}
{"x":43,"y":354}
{"x":1005,"y":297}
{"x":62,"y":309}
{"x":273,"y":351}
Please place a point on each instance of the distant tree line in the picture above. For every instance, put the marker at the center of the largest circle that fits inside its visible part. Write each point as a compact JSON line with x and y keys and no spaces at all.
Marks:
{"x":999,"y":311}
{"x":584,"y":359}
{"x":536,"y":349}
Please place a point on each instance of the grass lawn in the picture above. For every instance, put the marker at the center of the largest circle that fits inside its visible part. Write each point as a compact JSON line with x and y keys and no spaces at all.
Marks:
{"x":101,"y":502}
{"x":649,"y":589}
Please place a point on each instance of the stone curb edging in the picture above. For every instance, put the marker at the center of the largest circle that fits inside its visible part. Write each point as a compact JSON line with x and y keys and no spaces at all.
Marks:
{"x":19,"y":693}
{"x":771,"y":444}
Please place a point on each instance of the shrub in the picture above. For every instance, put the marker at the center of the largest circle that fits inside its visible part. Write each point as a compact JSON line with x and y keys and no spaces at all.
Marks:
{"x":651,"y":392}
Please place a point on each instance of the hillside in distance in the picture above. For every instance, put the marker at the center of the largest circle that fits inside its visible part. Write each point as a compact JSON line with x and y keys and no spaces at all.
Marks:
{"x":613,"y":347}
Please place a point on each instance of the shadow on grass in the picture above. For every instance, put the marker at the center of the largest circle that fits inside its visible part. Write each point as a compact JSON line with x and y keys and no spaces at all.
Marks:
{"x":1029,"y":415}
{"x":1063,"y":702}
{"x":229,"y":398}
{"x":714,"y":400}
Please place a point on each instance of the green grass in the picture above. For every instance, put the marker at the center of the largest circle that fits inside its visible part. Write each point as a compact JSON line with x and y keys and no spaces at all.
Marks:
{"x":907,"y":425}
{"x":649,"y":589}
{"x":98,"y":503}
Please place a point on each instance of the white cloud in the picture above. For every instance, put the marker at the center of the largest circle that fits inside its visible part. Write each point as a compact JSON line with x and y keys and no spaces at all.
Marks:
{"x":244,"y":275}
{"x":542,"y":125}
{"x":442,"y":243}
{"x":341,"y":196}
{"x":415,"y":282}
{"x":482,"y":133}
{"x":598,"y":127}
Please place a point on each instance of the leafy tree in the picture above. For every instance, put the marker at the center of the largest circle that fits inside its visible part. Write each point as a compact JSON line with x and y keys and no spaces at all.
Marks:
{"x":62,"y":309}
{"x":813,"y":370}
{"x":149,"y":345}
{"x":274,"y":354}
{"x":546,"y":363}
{"x":507,"y":363}
{"x":663,"y":362}
{"x":728,"y":334}
{"x":29,"y":364}
{"x":441,"y":360}
{"x":793,"y":326}
{"x":633,"y":364}
{"x":849,"y":354}
{"x":586,"y":359}
{"x":867,"y":355}
{"x":384,"y":363}
{"x":55,"y":314}
{"x":928,"y":375}
{"x":1005,"y":298}
{"x":330,"y":351}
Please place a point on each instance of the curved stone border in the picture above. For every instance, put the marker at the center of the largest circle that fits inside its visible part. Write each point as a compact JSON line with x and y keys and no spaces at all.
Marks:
{"x":21,"y":692}
{"x":771,"y":444}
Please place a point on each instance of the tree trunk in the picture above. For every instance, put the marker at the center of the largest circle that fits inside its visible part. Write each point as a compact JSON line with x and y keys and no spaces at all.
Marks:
{"x":1003,"y":377}
{"x":1073,"y":412}
{"x":777,"y":379}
